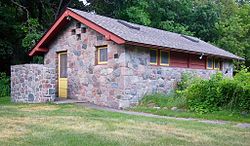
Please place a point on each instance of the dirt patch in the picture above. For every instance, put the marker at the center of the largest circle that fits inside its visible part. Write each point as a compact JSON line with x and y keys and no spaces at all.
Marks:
{"x":12,"y":128}
{"x":40,"y":108}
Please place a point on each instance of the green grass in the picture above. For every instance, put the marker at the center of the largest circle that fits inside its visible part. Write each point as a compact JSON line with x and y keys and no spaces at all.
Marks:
{"x":49,"y":124}
{"x":162,"y":100}
{"x":5,"y":100}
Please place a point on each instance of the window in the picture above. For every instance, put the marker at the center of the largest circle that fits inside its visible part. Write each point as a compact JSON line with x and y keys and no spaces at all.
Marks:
{"x":78,"y":25}
{"x":213,"y":63}
{"x":73,"y":32}
{"x":217,"y":64}
{"x":102,"y":55}
{"x":210,"y":63}
{"x":164,"y":58}
{"x":83,"y":29}
{"x":153,"y":56}
{"x":78,"y":37}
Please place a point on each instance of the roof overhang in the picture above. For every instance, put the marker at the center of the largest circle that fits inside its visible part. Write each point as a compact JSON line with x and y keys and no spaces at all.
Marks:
{"x":62,"y":20}
{"x":180,"y":50}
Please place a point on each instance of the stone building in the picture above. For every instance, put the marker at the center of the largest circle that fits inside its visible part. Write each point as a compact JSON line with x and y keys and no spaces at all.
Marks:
{"x":111,"y":62}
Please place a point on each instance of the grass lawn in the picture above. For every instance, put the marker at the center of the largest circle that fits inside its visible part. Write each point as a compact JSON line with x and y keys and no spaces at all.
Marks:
{"x":218,"y":115}
{"x":49,"y":124}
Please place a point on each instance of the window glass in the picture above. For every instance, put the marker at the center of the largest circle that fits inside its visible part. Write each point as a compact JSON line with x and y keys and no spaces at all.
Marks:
{"x":210,"y":63}
{"x":216,"y":64}
{"x":63,"y":65}
{"x":103,"y":55}
{"x":153,"y":56}
{"x":164,"y":58}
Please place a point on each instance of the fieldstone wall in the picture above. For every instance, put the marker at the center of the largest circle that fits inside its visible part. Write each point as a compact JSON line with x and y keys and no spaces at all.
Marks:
{"x":140,"y":78}
{"x":122,"y":81}
{"x":32,"y":83}
{"x":88,"y":81}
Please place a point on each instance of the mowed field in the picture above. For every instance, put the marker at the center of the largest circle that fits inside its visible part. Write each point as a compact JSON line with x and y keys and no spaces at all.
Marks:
{"x":49,"y":124}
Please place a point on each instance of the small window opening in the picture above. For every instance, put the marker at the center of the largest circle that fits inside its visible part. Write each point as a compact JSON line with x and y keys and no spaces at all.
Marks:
{"x":78,"y":25}
{"x":73,"y":32}
{"x":116,"y":56}
{"x":83,"y":29}
{"x":78,"y":37}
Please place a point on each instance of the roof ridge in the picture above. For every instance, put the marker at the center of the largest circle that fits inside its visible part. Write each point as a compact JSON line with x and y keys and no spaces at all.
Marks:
{"x":154,"y":36}
{"x":140,"y":25}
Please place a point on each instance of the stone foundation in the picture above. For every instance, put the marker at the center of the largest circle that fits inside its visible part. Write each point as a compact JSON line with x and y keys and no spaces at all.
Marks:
{"x":32,"y":83}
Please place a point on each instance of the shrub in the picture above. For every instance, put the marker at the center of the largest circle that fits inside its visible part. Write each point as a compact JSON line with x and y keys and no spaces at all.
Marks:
{"x":209,"y":95}
{"x":201,"y":95}
{"x":235,"y":93}
{"x":204,"y":96}
{"x":4,"y":85}
{"x":187,"y":79}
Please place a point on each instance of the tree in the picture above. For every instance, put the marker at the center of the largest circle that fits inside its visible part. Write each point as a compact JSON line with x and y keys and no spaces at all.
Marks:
{"x":234,"y":31}
{"x":21,"y":24}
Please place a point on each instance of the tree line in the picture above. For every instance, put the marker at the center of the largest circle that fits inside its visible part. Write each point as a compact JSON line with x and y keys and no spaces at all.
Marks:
{"x":224,"y":23}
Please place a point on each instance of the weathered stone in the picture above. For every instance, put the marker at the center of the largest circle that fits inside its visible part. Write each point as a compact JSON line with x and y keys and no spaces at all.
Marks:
{"x":174,"y":108}
{"x":117,"y":72}
{"x":33,"y":86}
{"x":31,"y":97}
{"x":99,"y":37}
{"x":106,"y":71}
{"x":157,"y":107}
{"x":114,"y":85}
{"x":133,"y":91}
{"x":84,"y":46}
{"x":51,"y":91}
{"x":77,"y":53}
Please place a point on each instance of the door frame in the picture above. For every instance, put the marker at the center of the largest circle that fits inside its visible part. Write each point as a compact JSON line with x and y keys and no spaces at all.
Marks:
{"x":58,"y":73}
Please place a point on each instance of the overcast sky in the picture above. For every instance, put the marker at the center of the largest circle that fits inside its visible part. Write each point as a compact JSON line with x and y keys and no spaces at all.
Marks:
{"x":84,"y":1}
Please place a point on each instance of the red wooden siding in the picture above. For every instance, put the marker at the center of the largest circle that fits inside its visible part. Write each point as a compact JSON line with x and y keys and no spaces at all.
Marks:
{"x":178,"y":59}
{"x":185,"y":60}
{"x":197,"y":63}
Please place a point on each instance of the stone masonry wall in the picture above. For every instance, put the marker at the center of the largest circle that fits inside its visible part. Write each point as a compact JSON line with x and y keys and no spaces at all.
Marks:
{"x":88,"y":81}
{"x":32,"y":83}
{"x":119,"y":84}
{"x":122,"y":81}
{"x":141,"y":78}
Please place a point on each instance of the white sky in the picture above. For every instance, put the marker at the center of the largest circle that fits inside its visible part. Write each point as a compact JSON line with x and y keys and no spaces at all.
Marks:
{"x":84,"y":1}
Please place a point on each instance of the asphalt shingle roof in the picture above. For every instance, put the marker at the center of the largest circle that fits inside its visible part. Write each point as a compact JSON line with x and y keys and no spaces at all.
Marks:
{"x":147,"y":35}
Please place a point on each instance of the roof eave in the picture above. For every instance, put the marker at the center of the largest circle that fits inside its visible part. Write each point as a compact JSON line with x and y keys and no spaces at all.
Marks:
{"x":39,"y":48}
{"x":181,"y":50}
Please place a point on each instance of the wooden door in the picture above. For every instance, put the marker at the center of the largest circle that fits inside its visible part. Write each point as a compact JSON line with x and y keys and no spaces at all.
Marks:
{"x":62,"y":75}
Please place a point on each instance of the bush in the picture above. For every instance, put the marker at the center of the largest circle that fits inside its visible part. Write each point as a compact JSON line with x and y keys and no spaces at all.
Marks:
{"x":4,"y":85}
{"x":201,"y":95}
{"x":209,"y":95}
{"x":204,"y":96}
{"x":186,"y":81}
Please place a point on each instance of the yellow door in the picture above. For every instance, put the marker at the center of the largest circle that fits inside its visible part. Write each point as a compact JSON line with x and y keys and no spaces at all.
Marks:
{"x":62,"y":75}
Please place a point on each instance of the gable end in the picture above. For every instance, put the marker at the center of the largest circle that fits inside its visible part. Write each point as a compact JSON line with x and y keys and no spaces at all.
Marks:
{"x":65,"y":18}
